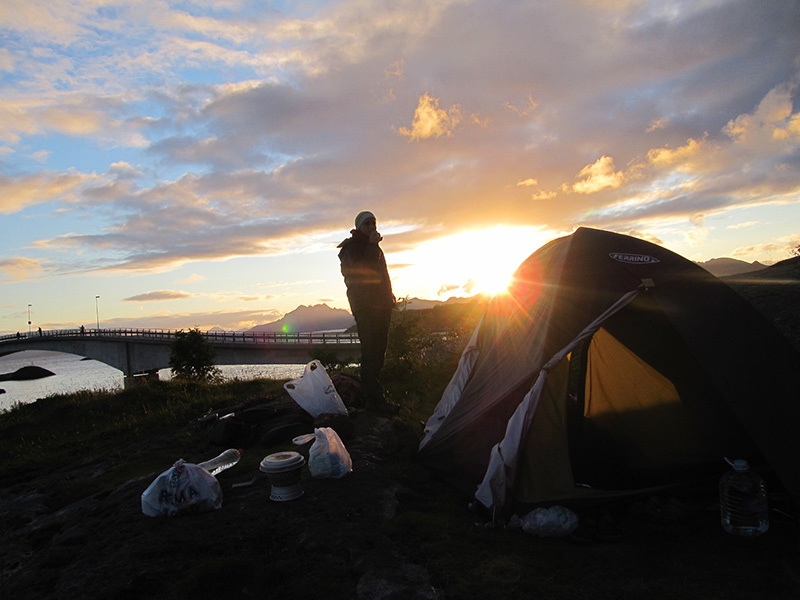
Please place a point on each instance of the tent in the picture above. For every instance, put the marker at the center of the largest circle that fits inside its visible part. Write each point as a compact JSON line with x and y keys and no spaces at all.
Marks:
{"x":612,"y":367}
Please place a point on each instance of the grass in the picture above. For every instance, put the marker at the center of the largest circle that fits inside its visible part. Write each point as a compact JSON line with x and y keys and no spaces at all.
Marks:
{"x":142,"y":429}
{"x":112,"y":427}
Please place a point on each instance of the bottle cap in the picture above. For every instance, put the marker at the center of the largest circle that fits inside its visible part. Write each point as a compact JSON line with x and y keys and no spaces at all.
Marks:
{"x":738,"y":465}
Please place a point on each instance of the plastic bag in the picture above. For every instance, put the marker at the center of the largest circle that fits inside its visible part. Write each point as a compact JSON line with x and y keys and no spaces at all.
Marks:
{"x":315,"y":392}
{"x":548,"y":522}
{"x":182,"y":489}
{"x":327,"y":456}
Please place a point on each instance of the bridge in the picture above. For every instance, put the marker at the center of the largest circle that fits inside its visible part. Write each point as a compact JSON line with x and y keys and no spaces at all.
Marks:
{"x":143,"y":352}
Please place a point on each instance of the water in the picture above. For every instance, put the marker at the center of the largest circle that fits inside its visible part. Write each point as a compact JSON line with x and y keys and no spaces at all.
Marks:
{"x":74,"y":373}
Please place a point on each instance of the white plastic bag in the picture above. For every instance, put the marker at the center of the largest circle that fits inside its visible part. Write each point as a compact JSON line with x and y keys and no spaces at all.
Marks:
{"x":327,"y":456}
{"x":182,"y":489}
{"x":315,"y":392}
{"x":554,"y":521}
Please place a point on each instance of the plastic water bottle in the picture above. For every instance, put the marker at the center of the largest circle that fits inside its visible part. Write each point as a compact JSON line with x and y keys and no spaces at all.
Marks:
{"x":743,"y":501}
{"x":224,"y":461}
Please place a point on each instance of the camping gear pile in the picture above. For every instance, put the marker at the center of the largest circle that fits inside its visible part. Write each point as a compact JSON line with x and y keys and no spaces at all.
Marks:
{"x":187,"y":488}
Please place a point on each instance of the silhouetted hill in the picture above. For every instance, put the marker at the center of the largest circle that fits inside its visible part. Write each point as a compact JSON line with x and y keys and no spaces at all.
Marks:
{"x":320,"y":317}
{"x":775,"y":291}
{"x":722,"y":267}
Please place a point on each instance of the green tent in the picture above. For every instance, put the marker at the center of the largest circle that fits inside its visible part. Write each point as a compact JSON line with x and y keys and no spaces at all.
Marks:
{"x":614,"y":366}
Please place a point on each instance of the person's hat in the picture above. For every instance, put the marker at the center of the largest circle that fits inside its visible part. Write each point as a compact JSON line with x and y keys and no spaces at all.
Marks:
{"x":363,"y":216}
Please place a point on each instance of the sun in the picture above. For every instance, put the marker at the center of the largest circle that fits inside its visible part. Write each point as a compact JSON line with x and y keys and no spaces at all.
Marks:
{"x":467,"y":263}
{"x":493,"y":279}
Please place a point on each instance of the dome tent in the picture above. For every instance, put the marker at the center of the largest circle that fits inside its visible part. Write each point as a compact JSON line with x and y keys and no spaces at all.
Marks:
{"x":614,"y":366}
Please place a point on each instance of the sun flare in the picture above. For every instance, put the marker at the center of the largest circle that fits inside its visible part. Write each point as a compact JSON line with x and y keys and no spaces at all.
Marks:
{"x":467,"y":263}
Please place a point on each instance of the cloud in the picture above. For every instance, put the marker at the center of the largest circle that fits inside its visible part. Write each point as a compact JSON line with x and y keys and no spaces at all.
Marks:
{"x":743,"y":225}
{"x":19,"y":268}
{"x":780,"y":248}
{"x":666,"y":157}
{"x":772,"y":121}
{"x":448,"y":287}
{"x":17,"y":193}
{"x":599,"y":176}
{"x":191,"y":135}
{"x":40,"y":156}
{"x":430,"y":121}
{"x":227,"y":320}
{"x":6,"y":61}
{"x":658,"y":124}
{"x":749,"y":162}
{"x":544,"y":195}
{"x":55,"y":21}
{"x":158,"y":296}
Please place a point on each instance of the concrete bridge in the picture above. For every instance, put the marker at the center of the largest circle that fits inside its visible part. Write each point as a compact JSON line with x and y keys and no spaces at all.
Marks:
{"x":143,"y":352}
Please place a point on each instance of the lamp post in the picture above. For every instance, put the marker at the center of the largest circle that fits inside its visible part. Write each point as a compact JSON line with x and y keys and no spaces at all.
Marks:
{"x":29,"y":320}
{"x":97,"y":311}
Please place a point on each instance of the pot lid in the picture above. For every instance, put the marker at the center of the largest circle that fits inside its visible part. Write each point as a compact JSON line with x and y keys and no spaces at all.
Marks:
{"x":282,"y":461}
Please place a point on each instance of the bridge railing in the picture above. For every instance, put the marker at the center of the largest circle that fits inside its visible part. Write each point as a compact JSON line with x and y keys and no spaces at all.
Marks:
{"x":215,"y":337}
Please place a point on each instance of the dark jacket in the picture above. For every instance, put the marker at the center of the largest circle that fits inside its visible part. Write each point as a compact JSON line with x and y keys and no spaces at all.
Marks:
{"x":365,"y":273}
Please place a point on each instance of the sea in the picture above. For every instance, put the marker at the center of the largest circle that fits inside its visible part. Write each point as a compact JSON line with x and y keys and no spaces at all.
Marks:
{"x":75,"y":373}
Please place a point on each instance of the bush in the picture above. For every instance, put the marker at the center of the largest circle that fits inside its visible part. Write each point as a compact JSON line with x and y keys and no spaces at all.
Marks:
{"x":424,"y":348}
{"x":191,"y":356}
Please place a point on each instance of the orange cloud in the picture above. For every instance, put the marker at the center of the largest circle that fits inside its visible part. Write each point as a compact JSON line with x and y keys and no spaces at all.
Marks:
{"x":158,"y":295}
{"x":599,"y":176}
{"x":772,"y":120}
{"x":17,"y":193}
{"x":430,"y":121}
{"x":20,"y":268}
{"x":665,"y":157}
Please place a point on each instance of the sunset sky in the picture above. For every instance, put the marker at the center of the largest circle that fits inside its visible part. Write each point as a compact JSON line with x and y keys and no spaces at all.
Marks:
{"x":197,"y":166}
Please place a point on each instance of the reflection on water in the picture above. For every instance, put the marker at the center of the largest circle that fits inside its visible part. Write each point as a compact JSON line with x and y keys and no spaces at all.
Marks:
{"x":74,"y":373}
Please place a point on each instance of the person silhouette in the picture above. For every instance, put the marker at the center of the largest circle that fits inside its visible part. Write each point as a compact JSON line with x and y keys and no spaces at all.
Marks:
{"x":369,"y":292}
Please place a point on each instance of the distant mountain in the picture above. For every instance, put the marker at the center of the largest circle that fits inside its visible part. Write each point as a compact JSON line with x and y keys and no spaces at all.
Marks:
{"x":775,"y":291}
{"x":724,"y":267}
{"x":320,"y":317}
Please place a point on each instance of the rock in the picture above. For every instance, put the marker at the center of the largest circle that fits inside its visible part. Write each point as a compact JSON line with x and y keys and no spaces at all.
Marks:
{"x":26,"y":374}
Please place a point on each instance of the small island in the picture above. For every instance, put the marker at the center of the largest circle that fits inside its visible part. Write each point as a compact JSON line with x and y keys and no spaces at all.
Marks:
{"x":26,"y":374}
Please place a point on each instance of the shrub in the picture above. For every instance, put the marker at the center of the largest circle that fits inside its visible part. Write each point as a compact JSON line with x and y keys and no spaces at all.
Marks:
{"x":191,"y":356}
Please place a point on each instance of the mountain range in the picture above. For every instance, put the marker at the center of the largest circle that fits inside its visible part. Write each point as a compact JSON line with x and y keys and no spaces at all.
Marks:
{"x":321,"y":317}
{"x":724,"y":267}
